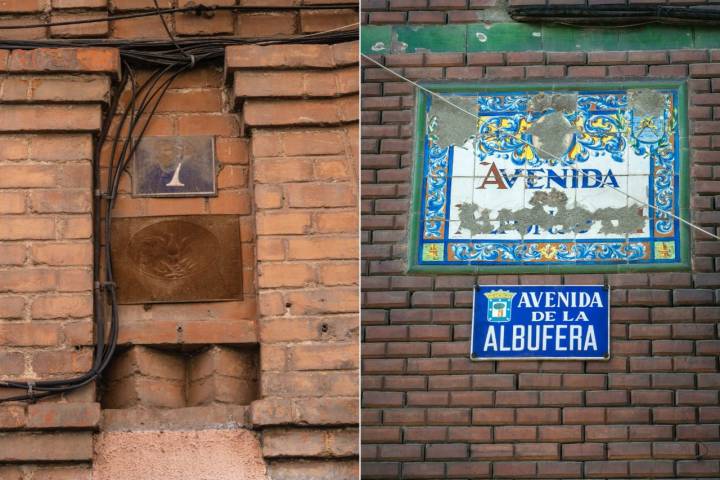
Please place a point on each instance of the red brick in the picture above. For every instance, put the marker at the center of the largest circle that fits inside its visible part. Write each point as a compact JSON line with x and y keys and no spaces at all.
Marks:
{"x":23,"y":334}
{"x":583,"y":415}
{"x":627,"y":71}
{"x":668,"y":71}
{"x":12,"y":417}
{"x":12,"y":202}
{"x":468,"y":469}
{"x":22,"y":6}
{"x":606,"y":469}
{"x":328,"y":19}
{"x":606,"y":432}
{"x":583,"y":451}
{"x":515,"y":433}
{"x":538,"y":416}
{"x":587,"y":72}
{"x":447,"y":451}
{"x":52,"y":201}
{"x":280,"y":56}
{"x":312,"y":195}
{"x":91,"y":29}
{"x":13,"y":363}
{"x":81,"y":60}
{"x":514,"y":469}
{"x":566,"y":58}
{"x":208,"y":124}
{"x":493,"y":416}
{"x":27,"y":176}
{"x":311,"y":112}
{"x":485,"y":58}
{"x":63,"y":415}
{"x":504,"y":72}
{"x":65,"y":362}
{"x":496,"y":451}
{"x":27,"y":280}
{"x":307,"y":248}
{"x":700,"y":468}
{"x":651,"y":468}
{"x":62,"y":306}
{"x":65,"y":446}
{"x":12,"y":307}
{"x":698,"y":432}
{"x":470,"y":434}
{"x":537,"y":451}
{"x":255,"y":25}
{"x":704,"y":70}
{"x":606,"y":58}
{"x":64,"y":254}
{"x":559,"y":469}
{"x":628,"y":450}
{"x":60,"y":4}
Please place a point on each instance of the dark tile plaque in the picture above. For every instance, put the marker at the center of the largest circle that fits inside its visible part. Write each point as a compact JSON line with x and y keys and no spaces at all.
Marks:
{"x":174,"y":167}
{"x":193,"y":258}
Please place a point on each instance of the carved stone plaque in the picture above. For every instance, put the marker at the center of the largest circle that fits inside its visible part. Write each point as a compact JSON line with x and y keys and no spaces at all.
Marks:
{"x":192,"y":258}
{"x":174,"y":167}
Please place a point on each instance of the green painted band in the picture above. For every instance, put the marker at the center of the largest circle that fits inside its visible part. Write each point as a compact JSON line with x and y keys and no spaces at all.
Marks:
{"x":522,"y":37}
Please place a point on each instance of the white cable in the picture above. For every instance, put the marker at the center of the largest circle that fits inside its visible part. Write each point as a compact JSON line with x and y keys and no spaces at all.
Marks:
{"x":554,"y":157}
{"x":331,"y":30}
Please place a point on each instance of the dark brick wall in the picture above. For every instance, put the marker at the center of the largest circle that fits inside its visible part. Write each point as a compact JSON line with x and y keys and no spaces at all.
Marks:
{"x":382,"y":12}
{"x":429,"y":412}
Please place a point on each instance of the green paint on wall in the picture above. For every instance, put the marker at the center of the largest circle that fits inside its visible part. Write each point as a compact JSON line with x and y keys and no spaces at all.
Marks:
{"x":506,"y":37}
{"x":515,"y":37}
{"x":376,"y":39}
{"x":707,"y":37}
{"x":658,"y":36}
{"x":561,"y":39}
{"x":431,"y":38}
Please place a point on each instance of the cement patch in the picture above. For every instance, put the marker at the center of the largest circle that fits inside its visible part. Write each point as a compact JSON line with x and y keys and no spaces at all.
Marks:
{"x":179,"y":455}
{"x":451,"y":125}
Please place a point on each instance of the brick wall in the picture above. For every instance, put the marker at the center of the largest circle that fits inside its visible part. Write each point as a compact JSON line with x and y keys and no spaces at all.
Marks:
{"x":51,"y":105}
{"x":280,"y":364}
{"x":429,"y":412}
{"x":266,"y":21}
{"x":299,"y":104}
{"x":385,"y":12}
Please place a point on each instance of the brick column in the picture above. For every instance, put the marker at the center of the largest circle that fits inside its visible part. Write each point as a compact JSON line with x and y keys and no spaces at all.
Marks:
{"x":50,"y":106}
{"x":299,"y":105}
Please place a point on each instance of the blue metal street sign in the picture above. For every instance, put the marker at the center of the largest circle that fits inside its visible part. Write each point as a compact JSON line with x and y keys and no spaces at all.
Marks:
{"x":558,"y":322}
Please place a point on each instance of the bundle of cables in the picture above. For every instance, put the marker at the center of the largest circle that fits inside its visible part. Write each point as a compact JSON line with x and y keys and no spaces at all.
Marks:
{"x":166,"y":61}
{"x":619,"y":15}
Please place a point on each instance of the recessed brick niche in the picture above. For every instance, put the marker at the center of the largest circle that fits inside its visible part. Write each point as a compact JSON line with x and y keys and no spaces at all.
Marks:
{"x":153,"y":377}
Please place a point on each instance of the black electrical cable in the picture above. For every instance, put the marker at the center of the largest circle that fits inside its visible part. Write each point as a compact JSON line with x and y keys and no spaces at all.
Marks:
{"x":105,"y":290}
{"x":154,"y":53}
{"x":620,"y":15}
{"x":169,"y":32}
{"x":101,"y":292}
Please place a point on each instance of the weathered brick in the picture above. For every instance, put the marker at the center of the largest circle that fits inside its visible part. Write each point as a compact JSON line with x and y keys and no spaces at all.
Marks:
{"x":63,"y":415}
{"x":46,"y":447}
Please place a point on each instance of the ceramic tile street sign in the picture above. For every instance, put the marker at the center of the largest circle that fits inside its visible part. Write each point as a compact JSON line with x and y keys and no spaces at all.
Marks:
{"x":174,"y":167}
{"x":556,"y":177}
{"x":541,"y":322}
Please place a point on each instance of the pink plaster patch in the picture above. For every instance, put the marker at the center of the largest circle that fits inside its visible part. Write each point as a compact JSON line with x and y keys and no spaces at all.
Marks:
{"x":178,"y":455}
